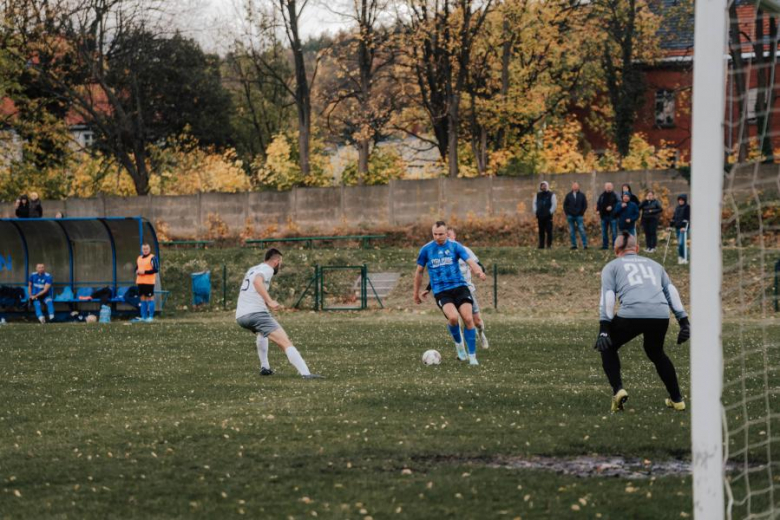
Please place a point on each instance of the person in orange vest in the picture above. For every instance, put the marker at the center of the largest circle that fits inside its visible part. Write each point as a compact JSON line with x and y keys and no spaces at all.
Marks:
{"x":147,"y":267}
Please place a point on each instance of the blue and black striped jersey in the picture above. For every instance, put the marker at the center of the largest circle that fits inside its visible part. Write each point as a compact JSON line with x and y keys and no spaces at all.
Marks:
{"x":442,"y":264}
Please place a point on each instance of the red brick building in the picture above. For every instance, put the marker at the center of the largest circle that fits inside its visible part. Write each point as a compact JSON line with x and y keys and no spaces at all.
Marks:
{"x":665,"y":117}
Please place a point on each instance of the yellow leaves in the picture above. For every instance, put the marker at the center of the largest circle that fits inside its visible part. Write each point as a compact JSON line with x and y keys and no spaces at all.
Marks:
{"x":644,"y":156}
{"x":217,"y":228}
{"x":281,"y":170}
{"x":181,"y":167}
{"x":184,"y":168}
{"x":384,"y":165}
{"x":93,"y":174}
{"x":561,"y":149}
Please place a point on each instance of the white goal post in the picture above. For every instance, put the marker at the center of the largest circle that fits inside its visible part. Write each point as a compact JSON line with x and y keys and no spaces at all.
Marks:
{"x":707,"y":163}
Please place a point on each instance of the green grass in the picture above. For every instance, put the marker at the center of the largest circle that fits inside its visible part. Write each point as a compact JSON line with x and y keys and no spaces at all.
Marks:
{"x":171,"y":420}
{"x":559,"y":282}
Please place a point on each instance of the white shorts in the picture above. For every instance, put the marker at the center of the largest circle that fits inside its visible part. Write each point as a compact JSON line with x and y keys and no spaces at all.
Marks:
{"x":475,"y":303}
{"x":259,"y":323}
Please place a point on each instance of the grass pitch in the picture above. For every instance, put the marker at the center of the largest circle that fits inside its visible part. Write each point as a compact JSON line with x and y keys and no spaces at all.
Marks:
{"x":171,"y":420}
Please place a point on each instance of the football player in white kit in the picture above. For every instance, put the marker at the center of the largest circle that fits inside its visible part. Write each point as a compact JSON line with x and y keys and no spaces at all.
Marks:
{"x":479,"y":323}
{"x":253,"y":313}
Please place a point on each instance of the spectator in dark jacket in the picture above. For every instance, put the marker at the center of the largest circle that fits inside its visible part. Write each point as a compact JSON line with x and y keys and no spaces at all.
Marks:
{"x":626,"y":213}
{"x":574,"y":206}
{"x":681,"y":222}
{"x":23,"y":207}
{"x":651,"y":211}
{"x":604,"y":207}
{"x":634,"y":198}
{"x":544,"y":208}
{"x":36,"y":210}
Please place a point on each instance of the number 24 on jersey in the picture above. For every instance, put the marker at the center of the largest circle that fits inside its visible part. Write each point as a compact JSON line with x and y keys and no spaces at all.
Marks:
{"x":637,"y":274}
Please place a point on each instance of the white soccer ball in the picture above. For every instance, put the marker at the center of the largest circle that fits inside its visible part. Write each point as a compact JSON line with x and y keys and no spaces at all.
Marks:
{"x":431,"y":357}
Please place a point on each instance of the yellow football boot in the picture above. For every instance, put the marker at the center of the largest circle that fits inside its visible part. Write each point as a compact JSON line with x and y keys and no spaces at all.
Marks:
{"x":678,"y":407}
{"x":618,"y":400}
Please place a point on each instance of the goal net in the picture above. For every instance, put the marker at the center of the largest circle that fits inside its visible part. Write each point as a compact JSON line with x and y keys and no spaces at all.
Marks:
{"x":736,"y":184}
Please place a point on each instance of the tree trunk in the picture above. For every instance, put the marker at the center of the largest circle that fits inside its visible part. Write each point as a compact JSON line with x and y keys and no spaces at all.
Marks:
{"x":453,"y":117}
{"x":365,"y":64}
{"x":765,"y":97}
{"x":761,"y":79}
{"x":506,"y":58}
{"x":304,"y":140}
{"x":363,"y":158}
{"x":625,"y":115}
{"x":735,"y":49}
{"x":478,"y":136}
{"x":624,"y":78}
{"x":772,"y":97}
{"x":482,"y":158}
{"x":302,"y":90}
{"x":139,"y":175}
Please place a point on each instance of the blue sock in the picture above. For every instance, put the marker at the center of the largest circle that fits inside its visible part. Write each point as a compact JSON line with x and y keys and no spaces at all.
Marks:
{"x":37,"y":305}
{"x":471,"y":340}
{"x":150,"y":309}
{"x":143,"y":309}
{"x":455,"y":331}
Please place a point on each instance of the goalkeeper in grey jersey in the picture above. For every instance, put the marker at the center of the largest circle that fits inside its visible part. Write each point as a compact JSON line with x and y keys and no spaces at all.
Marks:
{"x":646,"y":294}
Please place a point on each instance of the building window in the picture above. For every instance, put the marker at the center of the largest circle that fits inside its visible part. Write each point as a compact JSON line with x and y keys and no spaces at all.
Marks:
{"x":751,"y":105}
{"x":664,"y":108}
{"x":87,"y":139}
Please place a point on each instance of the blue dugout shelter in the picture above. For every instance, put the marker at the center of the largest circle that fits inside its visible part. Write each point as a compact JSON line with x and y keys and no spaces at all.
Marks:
{"x":81,"y":254}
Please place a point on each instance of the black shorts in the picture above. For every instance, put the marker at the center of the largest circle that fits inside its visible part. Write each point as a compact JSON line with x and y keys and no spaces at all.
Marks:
{"x":146,"y":290}
{"x":653,"y":331}
{"x":457,"y":296}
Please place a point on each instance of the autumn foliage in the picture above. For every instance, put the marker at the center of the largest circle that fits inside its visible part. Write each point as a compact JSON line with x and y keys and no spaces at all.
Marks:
{"x":490,"y":88}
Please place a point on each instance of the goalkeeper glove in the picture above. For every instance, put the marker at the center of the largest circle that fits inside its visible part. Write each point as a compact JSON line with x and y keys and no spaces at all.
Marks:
{"x":685,"y":331}
{"x":603,"y":342}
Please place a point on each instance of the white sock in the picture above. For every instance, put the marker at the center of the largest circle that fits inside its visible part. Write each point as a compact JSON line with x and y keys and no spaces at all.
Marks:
{"x":481,"y":328}
{"x":297,"y":361}
{"x":262,"y":351}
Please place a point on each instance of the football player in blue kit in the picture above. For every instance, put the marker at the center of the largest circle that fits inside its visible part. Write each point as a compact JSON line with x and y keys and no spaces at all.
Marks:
{"x":450,"y":289}
{"x":39,"y":288}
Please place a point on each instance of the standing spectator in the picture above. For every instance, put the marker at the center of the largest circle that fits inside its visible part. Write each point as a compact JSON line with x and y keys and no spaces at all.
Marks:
{"x":574,"y":206}
{"x":634,"y":198}
{"x":36,"y":210}
{"x":651,"y":212}
{"x":23,"y":207}
{"x":626,"y":213}
{"x":681,"y":222}
{"x":544,"y":208}
{"x":604,"y":207}
{"x":147,"y":267}
{"x":39,"y":287}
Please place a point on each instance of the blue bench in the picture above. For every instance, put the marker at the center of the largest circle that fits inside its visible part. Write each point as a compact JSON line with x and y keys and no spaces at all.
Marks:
{"x":83,"y":295}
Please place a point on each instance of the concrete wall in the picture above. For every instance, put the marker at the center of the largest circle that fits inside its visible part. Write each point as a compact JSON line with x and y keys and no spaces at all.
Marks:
{"x":397,"y":204}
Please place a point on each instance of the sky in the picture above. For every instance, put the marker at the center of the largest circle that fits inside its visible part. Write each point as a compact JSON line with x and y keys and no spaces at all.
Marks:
{"x":214,"y":23}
